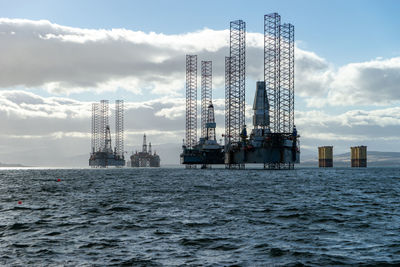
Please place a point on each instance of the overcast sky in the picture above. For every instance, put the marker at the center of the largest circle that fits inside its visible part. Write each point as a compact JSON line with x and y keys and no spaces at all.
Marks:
{"x":59,"y":56}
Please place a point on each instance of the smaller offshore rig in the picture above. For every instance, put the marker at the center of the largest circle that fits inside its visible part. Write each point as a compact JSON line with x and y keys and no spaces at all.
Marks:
{"x":273,"y":140}
{"x":102,"y":154}
{"x":145,"y":158}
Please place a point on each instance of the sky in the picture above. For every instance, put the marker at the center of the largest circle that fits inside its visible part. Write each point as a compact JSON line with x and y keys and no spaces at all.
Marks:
{"x":60,"y":56}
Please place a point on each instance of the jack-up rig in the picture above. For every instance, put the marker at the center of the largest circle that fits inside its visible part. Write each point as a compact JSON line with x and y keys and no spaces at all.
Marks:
{"x":102,"y":154}
{"x":145,"y":158}
{"x":273,"y":141}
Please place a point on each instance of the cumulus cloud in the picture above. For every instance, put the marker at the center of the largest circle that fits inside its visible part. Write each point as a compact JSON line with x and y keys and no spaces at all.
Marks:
{"x":66,"y":60}
{"x":25,"y":104}
{"x":374,"y":82}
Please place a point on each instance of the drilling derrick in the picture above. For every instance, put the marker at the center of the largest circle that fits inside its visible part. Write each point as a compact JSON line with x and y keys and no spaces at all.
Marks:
{"x":102,"y":154}
{"x":210,"y":125}
{"x":103,"y":124}
{"x":206,"y":93}
{"x":144,"y":146}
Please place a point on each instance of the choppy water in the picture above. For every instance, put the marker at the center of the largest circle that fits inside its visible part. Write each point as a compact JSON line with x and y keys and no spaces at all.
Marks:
{"x":200,"y":217}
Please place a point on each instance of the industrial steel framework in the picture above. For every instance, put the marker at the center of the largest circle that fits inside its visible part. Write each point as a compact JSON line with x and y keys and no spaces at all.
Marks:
{"x":279,"y":76}
{"x":279,"y":72}
{"x":235,"y":82}
{"x":119,"y":128}
{"x":271,"y":67}
{"x":206,"y":93}
{"x":95,"y":127}
{"x":103,"y":123}
{"x":287,"y":78}
{"x":235,"y":73}
{"x":191,"y":100}
{"x":227,"y":136}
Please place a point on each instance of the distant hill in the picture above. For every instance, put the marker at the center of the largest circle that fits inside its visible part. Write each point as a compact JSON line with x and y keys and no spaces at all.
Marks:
{"x":2,"y":165}
{"x":374,"y":159}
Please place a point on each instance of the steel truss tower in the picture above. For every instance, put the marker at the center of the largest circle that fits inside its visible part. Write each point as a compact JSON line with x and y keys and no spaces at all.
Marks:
{"x":191,"y":100}
{"x":279,"y":76}
{"x":271,"y":67}
{"x":279,"y":72}
{"x":235,"y":72}
{"x":206,"y":93}
{"x":287,"y":78}
{"x":95,"y":127}
{"x":227,"y":100}
{"x":119,"y":128}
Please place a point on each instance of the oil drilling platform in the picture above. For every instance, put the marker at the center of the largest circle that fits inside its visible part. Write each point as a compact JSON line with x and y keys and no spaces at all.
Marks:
{"x":273,"y":141}
{"x":145,"y":158}
{"x":102,"y":154}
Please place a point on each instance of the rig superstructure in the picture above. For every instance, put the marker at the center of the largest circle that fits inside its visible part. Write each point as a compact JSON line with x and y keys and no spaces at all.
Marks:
{"x":145,"y":158}
{"x":102,"y":154}
{"x":273,"y":141}
{"x":207,"y":151}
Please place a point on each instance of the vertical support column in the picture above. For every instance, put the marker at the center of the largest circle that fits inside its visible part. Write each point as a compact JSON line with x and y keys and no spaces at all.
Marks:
{"x":228,"y":105}
{"x":206,"y":93}
{"x":237,"y":77}
{"x":286,"y":90}
{"x":191,"y":100}
{"x":291,"y":77}
{"x":103,"y":123}
{"x":119,"y":128}
{"x":95,"y":127}
{"x":271,"y":67}
{"x":235,"y":88}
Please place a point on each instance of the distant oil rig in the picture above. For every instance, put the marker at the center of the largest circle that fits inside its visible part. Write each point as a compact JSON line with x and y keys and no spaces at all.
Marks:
{"x":273,"y":141}
{"x":145,"y":158}
{"x":102,"y":154}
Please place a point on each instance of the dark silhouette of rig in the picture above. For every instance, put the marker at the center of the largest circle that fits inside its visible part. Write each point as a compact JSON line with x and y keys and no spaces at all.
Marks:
{"x":145,"y":158}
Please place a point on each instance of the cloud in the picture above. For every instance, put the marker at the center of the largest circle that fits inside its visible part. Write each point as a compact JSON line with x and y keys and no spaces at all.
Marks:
{"x":65,"y":60}
{"x":313,"y":74}
{"x":374,"y":82}
{"x":25,"y":105}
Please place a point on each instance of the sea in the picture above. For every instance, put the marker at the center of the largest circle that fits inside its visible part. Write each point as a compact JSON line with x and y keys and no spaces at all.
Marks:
{"x":194,"y":217}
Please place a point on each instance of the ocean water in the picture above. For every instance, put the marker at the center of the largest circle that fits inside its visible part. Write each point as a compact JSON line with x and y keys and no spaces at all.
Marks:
{"x":168,"y":217}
